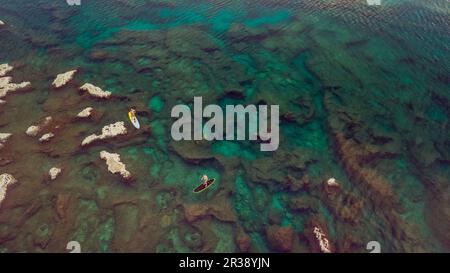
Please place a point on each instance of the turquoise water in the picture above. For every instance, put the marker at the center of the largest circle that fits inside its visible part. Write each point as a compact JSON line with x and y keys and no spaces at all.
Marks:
{"x":364,"y":97}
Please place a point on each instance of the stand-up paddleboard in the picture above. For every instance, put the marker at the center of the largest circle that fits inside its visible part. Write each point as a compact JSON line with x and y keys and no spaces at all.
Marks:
{"x":203,"y":187}
{"x":134,"y":120}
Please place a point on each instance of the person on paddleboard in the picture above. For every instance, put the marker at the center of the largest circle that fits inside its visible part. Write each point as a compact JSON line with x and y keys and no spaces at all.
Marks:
{"x":133,"y":112}
{"x":206,"y":183}
{"x":205,"y":180}
{"x":133,"y":119}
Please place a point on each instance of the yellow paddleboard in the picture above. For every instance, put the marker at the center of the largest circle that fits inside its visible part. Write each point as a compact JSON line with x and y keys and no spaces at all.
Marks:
{"x":134,"y":120}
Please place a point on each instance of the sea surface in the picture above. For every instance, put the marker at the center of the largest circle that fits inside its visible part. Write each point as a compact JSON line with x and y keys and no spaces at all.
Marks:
{"x":364,"y":97}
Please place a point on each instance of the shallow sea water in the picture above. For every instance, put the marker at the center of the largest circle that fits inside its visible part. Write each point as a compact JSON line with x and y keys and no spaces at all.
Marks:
{"x":364,"y":96}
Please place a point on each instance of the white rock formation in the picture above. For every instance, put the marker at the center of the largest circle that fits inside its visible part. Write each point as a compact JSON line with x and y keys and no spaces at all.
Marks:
{"x":63,"y":79}
{"x":332,"y":182}
{"x":33,"y":130}
{"x":5,"y":82}
{"x":5,"y":181}
{"x":54,"y":172}
{"x":108,"y":131}
{"x":46,"y":137}
{"x":87,"y":112}
{"x":2,"y":23}
{"x":115,"y":165}
{"x":6,"y":86}
{"x":3,"y":138}
{"x":322,"y":239}
{"x":5,"y":69}
{"x":2,"y":102}
{"x":95,"y":91}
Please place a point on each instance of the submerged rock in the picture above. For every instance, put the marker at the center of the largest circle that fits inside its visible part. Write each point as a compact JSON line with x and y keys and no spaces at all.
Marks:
{"x":189,"y":41}
{"x":195,"y":212}
{"x":219,"y":210}
{"x":95,"y":91}
{"x":371,"y":181}
{"x":85,"y":113}
{"x":115,"y":165}
{"x":280,"y":238}
{"x":3,"y":138}
{"x":98,"y":55}
{"x":5,"y":181}
{"x":62,"y":203}
{"x":193,"y":238}
{"x":46,"y":137}
{"x":293,"y":184}
{"x":108,"y":131}
{"x":304,"y":204}
{"x":192,"y":152}
{"x":243,"y":241}
{"x":438,"y":215}
{"x":345,"y":206}
{"x":64,"y":78}
{"x":54,"y":172}
{"x":240,"y":32}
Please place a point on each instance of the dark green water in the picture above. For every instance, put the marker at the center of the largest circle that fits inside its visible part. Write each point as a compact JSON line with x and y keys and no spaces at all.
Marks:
{"x":364,"y":94}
